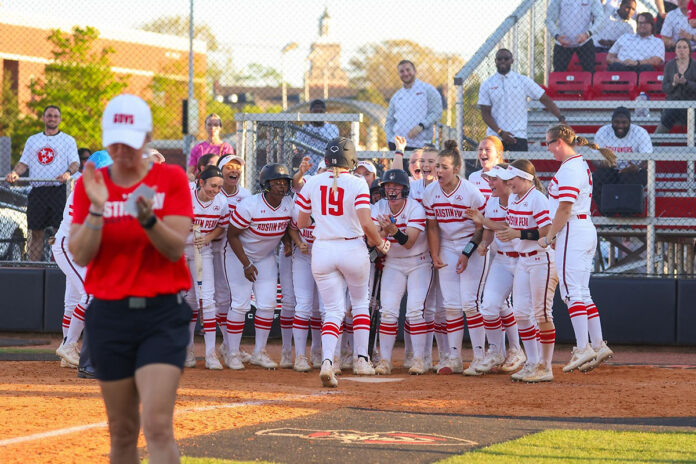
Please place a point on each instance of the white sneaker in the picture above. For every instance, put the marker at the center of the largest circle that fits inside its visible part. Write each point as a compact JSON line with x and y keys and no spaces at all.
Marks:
{"x":262,"y":359}
{"x":452,"y":365}
{"x":440,"y":363}
{"x":301,"y":364}
{"x":245,"y":357}
{"x":580,"y":357}
{"x":383,"y":367}
{"x":363,"y":367}
{"x":419,"y":367}
{"x":212,"y":362}
{"x":64,"y":363}
{"x":286,"y":359}
{"x":492,"y":361}
{"x":408,"y":359}
{"x":234,"y":361}
{"x":315,"y":359}
{"x":603,"y":353}
{"x":473,"y":369}
{"x":190,"y":358}
{"x":514,"y":360}
{"x":327,"y":376}
{"x":527,"y":370}
{"x":540,"y":374}
{"x":70,"y":353}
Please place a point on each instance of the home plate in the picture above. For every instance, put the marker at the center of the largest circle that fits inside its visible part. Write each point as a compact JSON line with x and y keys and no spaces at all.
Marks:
{"x":373,"y":379}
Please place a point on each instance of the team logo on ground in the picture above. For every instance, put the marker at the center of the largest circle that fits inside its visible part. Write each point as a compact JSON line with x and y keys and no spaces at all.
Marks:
{"x":370,"y":438}
{"x":46,"y":155}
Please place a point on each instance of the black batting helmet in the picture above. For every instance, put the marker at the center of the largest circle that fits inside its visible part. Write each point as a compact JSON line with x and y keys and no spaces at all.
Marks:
{"x":395,"y":176}
{"x":273,"y":171}
{"x":340,"y":152}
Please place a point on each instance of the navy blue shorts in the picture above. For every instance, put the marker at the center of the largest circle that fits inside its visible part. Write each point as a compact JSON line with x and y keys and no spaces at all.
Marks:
{"x":127,"y":334}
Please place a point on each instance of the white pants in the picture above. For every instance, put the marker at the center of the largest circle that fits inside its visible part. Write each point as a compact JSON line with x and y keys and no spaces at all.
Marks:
{"x":576,"y":244}
{"x":534,"y":287}
{"x":461,"y":291}
{"x":74,"y":274}
{"x":222,"y":287}
{"x":411,"y":275}
{"x":306,"y":291}
{"x":206,"y":293}
{"x":498,"y":285}
{"x":264,"y":288}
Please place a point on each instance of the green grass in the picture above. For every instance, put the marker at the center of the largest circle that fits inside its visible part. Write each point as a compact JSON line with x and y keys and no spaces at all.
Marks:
{"x":588,"y":446}
{"x":26,"y":350}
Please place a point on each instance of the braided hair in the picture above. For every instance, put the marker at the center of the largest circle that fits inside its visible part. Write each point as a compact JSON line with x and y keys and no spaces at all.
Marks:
{"x":567,"y":134}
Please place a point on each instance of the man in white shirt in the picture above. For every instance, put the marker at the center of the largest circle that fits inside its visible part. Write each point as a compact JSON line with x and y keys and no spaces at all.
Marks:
{"x":413,"y":110}
{"x":676,"y":26}
{"x":663,"y":7}
{"x":572,"y":23}
{"x":617,"y":23}
{"x":637,"y":52}
{"x":316,"y":135}
{"x":503,"y":103}
{"x":50,"y":154}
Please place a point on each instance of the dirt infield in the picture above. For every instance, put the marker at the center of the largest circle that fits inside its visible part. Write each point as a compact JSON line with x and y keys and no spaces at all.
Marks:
{"x":48,"y":415}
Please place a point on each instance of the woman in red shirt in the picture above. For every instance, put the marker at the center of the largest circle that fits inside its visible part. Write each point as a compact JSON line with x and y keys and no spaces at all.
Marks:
{"x":130,"y":224}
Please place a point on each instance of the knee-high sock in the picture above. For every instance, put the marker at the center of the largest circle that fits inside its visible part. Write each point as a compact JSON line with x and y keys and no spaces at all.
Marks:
{"x":361,"y":334}
{"x":221,"y":319}
{"x":578,"y":317}
{"x":419,"y":329}
{"x":547,"y":332}
{"x":67,"y":317}
{"x":477,"y":334}
{"x":594,"y":326}
{"x":528,"y":334}
{"x":286,"y":328}
{"x":77,"y":323}
{"x":428,"y":345}
{"x":329,"y":339}
{"x":209,"y":331}
{"x":339,"y":340}
{"x":455,"y":334}
{"x":511,"y":331}
{"x":494,"y":333}
{"x":315,"y":324}
{"x":300,"y":330}
{"x":348,"y":334}
{"x":441,"y":335}
{"x":408,"y":345}
{"x":263,"y":320}
{"x":387,"y":336}
{"x":235,"y":327}
{"x":192,"y":325}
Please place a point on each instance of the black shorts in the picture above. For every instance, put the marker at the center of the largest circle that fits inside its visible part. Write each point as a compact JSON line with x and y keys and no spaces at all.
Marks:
{"x":127,"y":334}
{"x":45,"y":207}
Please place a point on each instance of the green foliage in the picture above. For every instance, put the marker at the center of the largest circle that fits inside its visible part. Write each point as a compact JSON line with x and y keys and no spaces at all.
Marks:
{"x":256,"y":74}
{"x":179,"y":26}
{"x":80,"y":81}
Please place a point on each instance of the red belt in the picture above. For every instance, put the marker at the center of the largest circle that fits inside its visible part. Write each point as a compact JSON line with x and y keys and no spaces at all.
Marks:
{"x":526,"y":255}
{"x":512,"y":254}
{"x":582,"y":216}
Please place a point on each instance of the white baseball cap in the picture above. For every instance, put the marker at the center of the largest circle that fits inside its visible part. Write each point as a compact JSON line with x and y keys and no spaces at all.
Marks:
{"x":127,"y":119}
{"x":369,"y":166}
{"x":228,"y":159}
{"x":512,"y":171}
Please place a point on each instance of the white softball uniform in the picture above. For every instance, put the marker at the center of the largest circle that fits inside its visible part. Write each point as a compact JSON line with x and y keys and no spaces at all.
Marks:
{"x":477,"y":179}
{"x":416,"y":190}
{"x":306,"y":292}
{"x":577,"y":241}
{"x":535,"y":275}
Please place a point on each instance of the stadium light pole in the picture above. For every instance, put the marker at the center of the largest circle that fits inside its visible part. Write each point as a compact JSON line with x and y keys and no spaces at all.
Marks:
{"x":283,"y":85}
{"x":188,"y":138}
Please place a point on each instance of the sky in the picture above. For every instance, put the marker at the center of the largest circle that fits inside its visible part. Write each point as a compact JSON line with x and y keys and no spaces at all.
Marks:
{"x":257,"y":30}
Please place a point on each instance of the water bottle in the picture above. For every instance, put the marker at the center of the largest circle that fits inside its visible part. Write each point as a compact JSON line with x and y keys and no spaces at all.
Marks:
{"x":642,"y":112}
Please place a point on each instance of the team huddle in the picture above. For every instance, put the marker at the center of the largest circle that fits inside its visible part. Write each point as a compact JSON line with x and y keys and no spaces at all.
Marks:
{"x":486,"y":253}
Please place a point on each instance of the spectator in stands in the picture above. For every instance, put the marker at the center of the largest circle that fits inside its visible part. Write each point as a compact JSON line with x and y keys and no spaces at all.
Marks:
{"x":679,"y":83}
{"x":413,"y":110}
{"x":213,"y":144}
{"x":637,"y":52}
{"x":50,"y":154}
{"x":572,"y":23}
{"x":663,"y":7}
{"x":84,"y":154}
{"x":316,"y":135}
{"x":621,"y":137}
{"x":676,"y":26}
{"x":617,"y":23}
{"x":503,"y":103}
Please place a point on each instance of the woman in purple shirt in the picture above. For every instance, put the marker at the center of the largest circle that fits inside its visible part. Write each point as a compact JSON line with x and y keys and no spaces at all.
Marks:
{"x":213,"y":144}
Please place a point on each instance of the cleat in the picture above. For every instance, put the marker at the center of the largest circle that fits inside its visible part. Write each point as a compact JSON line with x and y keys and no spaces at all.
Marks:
{"x":286,"y":360}
{"x":66,"y":364}
{"x":315,"y":359}
{"x":221,"y":350}
{"x":526,"y":370}
{"x":408,"y":359}
{"x":262,"y":359}
{"x":580,"y":357}
{"x":245,"y":357}
{"x":337,"y":366}
{"x":452,"y":365}
{"x":363,"y":367}
{"x":440,"y":363}
{"x":70,"y":353}
{"x":514,"y":360}
{"x":234,"y":361}
{"x":419,"y":367}
{"x":383,"y":367}
{"x":603,"y":353}
{"x":301,"y":364}
{"x":540,"y":374}
{"x":190,"y":358}
{"x":212,"y":362}
{"x":493,"y":360}
{"x":472,"y":370}
{"x":327,"y":376}
{"x":428,"y":362}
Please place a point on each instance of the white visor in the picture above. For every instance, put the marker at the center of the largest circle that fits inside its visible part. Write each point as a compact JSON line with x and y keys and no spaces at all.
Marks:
{"x":512,"y":171}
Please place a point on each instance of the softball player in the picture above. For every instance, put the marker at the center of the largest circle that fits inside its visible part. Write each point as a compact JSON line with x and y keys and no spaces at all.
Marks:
{"x":453,"y":238}
{"x":408,"y":265}
{"x":76,"y":298}
{"x":339,"y":205}
{"x":496,"y":311}
{"x":535,"y":275}
{"x":211,"y":214}
{"x":288,"y":301}
{"x":256,"y":227}
{"x":490,"y":153}
{"x":576,"y":241}
{"x":233,"y":193}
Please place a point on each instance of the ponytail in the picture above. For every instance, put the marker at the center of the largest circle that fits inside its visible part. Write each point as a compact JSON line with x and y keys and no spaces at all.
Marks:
{"x":452,"y":151}
{"x":567,"y":134}
{"x":607,"y":153}
{"x":336,"y":173}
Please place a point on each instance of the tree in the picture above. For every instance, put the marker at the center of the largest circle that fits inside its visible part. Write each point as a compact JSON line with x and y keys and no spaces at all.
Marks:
{"x":179,"y":26}
{"x":258,"y":75}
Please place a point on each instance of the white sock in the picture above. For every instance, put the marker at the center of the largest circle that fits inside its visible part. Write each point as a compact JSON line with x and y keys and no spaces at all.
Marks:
{"x":387,"y":336}
{"x":329,"y":339}
{"x":235,"y":327}
{"x":455,"y":335}
{"x":594,"y":326}
{"x":511,"y":331}
{"x":548,"y":341}
{"x":528,"y":335}
{"x":477,"y":334}
{"x":263,"y":320}
{"x":315,"y":324}
{"x":286,"y":332}
{"x":77,"y":323}
{"x":300,"y":330}
{"x":192,"y":325}
{"x":492,"y":327}
{"x":361,"y":334}
{"x":419,"y":329}
{"x":408,"y":344}
{"x":578,"y":317}
{"x":221,"y":319}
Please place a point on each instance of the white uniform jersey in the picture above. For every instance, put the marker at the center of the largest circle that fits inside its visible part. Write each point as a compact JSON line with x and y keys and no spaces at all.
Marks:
{"x":498,"y":213}
{"x":209,"y":215}
{"x":416,"y":190}
{"x":65,"y":224}
{"x":477,"y":179}
{"x":263,"y":226}
{"x":572,"y":183}
{"x":529,"y":211}
{"x":306,"y":234}
{"x":334,"y":213}
{"x":232,"y":202}
{"x":411,"y":214}
{"x":448,"y":210}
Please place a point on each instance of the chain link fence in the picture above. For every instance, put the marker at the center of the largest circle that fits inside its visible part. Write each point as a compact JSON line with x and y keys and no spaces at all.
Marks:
{"x":380,"y":71}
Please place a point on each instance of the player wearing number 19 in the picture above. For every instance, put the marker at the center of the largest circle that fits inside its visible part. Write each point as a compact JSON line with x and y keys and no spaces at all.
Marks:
{"x":339,"y":204}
